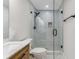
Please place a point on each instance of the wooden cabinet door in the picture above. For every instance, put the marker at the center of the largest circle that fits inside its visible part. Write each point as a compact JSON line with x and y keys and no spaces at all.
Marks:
{"x":26,"y":56}
{"x":22,"y":54}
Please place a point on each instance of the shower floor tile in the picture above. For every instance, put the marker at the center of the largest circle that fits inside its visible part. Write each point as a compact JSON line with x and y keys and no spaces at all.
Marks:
{"x":49,"y":56}
{"x":55,"y":57}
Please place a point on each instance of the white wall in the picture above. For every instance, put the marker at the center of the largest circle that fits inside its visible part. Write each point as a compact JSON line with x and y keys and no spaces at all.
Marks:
{"x":69,"y":30}
{"x":5,"y":23}
{"x":69,"y":7}
{"x":21,"y":19}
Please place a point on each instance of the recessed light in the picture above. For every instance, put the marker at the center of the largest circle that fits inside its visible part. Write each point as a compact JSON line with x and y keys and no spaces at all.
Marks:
{"x":47,"y":6}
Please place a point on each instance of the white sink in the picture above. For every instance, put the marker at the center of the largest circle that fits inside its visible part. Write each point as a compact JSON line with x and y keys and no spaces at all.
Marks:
{"x":9,"y":48}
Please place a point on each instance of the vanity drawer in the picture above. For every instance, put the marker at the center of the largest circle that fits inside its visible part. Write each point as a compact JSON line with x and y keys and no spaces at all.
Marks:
{"x":22,"y":54}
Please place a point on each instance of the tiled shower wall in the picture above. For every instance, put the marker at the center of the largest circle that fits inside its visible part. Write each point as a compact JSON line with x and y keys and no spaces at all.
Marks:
{"x":43,"y":36}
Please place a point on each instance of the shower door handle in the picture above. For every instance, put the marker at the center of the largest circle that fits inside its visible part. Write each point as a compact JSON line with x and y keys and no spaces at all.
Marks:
{"x":54,"y":32}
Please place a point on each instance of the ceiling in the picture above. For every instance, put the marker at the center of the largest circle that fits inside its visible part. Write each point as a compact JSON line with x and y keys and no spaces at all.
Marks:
{"x":46,"y":4}
{"x":41,"y":4}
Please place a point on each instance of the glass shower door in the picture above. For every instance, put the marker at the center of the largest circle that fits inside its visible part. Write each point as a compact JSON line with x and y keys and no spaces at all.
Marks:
{"x":57,"y":34}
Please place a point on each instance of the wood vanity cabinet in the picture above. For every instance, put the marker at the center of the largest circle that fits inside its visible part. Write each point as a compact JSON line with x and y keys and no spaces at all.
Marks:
{"x":22,"y":54}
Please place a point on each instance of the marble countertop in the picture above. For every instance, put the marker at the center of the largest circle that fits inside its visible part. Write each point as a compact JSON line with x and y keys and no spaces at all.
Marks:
{"x":10,"y":48}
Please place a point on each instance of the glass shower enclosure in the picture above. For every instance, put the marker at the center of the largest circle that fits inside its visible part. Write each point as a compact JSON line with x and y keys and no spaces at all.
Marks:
{"x":48,"y":31}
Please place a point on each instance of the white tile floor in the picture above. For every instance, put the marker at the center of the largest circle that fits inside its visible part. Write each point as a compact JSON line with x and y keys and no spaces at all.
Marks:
{"x":55,"y":56}
{"x":49,"y":56}
{"x":52,"y":57}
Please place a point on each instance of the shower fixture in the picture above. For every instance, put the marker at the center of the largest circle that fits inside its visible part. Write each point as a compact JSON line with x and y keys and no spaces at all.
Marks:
{"x":31,"y":12}
{"x":36,"y":13}
{"x":61,"y":11}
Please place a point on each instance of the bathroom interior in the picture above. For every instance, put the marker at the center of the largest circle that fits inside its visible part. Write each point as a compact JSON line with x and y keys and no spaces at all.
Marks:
{"x":38,"y":29}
